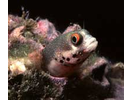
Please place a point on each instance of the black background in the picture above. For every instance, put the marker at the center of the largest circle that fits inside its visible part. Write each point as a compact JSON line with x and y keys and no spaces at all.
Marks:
{"x":103,"y":18}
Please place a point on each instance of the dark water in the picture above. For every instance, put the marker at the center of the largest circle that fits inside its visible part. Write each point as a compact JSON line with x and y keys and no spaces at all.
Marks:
{"x":104,"y":19}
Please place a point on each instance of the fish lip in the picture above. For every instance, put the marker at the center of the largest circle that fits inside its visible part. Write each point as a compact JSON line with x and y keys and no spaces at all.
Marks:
{"x":94,"y":40}
{"x":91,"y":47}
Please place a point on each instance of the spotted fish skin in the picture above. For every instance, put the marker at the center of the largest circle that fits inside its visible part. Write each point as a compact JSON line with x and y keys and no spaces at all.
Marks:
{"x":66,"y":53}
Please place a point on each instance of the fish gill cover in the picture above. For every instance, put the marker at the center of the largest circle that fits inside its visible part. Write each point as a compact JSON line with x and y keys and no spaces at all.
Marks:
{"x":27,"y":81}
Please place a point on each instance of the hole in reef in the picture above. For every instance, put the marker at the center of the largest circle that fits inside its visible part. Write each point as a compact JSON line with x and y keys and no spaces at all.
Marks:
{"x":98,"y":73}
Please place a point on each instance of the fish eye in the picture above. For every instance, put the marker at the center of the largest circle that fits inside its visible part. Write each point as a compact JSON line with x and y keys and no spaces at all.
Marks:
{"x":76,"y":38}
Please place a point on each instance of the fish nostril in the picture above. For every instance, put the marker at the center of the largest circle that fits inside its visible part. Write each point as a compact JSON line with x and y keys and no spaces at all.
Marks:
{"x":56,"y":59}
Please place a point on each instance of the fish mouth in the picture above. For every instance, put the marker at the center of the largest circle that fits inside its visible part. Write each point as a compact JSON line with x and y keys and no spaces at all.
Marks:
{"x":90,"y":45}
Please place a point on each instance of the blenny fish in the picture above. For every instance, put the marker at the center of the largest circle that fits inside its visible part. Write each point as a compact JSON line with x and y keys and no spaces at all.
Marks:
{"x":65,"y":54}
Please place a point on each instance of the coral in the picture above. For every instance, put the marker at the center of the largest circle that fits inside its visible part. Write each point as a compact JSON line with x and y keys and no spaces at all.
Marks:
{"x":31,"y":85}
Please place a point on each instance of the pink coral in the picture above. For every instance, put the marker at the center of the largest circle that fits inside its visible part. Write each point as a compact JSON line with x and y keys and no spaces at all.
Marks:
{"x":47,"y":29}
